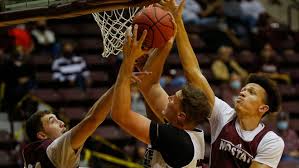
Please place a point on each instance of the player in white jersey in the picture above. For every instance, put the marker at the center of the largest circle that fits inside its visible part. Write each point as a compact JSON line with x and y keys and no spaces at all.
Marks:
{"x":176,"y":144}
{"x":239,"y":138}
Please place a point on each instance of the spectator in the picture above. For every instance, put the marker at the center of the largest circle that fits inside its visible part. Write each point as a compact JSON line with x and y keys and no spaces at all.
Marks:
{"x":251,"y":10}
{"x":290,"y":137}
{"x":44,"y":38}
{"x":191,"y":12}
{"x":20,"y":81}
{"x":202,"y":12}
{"x":224,"y":65}
{"x":22,"y":39}
{"x":172,"y":81}
{"x":230,"y":93}
{"x":236,"y":19}
{"x":70,"y":69}
{"x":269,"y":63}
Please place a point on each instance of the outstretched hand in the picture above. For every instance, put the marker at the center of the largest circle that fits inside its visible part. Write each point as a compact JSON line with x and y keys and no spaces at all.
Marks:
{"x":132,"y":48}
{"x":171,"y":6}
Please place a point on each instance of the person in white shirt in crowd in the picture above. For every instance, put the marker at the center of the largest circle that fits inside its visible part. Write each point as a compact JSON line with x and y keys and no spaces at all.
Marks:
{"x":70,"y":69}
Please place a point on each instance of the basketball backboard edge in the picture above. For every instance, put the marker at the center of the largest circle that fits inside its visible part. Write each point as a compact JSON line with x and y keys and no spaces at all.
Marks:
{"x":74,"y":9}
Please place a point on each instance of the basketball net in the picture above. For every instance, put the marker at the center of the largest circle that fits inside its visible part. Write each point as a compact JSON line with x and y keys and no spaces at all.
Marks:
{"x":113,"y":25}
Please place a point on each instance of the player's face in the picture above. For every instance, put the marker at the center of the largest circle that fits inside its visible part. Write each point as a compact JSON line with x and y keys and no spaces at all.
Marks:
{"x":250,"y":100}
{"x":173,"y":108}
{"x":52,"y":126}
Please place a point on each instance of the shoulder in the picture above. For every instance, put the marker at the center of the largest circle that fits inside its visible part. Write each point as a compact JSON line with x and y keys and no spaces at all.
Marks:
{"x":271,"y":144}
{"x":221,"y":108}
{"x":270,"y":149}
{"x":60,"y":141}
{"x":272,"y":139}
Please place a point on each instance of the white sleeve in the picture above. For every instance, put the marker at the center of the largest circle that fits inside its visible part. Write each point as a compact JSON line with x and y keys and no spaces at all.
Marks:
{"x":270,"y":150}
{"x":222,"y":113}
{"x":50,"y":36}
{"x":61,"y":153}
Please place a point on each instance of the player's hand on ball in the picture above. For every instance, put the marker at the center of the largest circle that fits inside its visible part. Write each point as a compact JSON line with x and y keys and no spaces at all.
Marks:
{"x":132,"y":47}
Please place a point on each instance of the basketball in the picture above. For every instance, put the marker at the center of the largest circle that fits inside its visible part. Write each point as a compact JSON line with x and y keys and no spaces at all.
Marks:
{"x":158,"y":23}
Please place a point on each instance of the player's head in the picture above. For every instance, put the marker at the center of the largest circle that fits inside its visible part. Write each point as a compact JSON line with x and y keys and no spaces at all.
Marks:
{"x":258,"y":97}
{"x":187,"y":108}
{"x":43,"y":125}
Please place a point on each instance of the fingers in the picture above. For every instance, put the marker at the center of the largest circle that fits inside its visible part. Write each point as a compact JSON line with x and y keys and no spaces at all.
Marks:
{"x":141,"y":73}
{"x":150,"y":51}
{"x":162,"y":2}
{"x":181,"y":7}
{"x":127,"y":40}
{"x":142,"y":38}
{"x":135,"y":79}
{"x":129,"y":35}
{"x":135,"y":33}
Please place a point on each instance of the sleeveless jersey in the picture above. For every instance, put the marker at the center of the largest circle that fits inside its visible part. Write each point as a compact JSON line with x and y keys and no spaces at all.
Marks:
{"x":154,"y":159}
{"x":230,"y":151}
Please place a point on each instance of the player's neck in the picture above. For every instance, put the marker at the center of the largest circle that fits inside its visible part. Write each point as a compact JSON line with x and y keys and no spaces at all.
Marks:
{"x":248,"y":123}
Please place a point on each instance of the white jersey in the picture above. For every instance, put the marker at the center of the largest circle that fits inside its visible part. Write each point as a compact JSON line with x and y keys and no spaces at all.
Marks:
{"x":156,"y":159}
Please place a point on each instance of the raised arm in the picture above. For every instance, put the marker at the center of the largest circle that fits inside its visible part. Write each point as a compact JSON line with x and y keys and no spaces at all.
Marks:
{"x":134,"y":123}
{"x":150,"y":87}
{"x":186,"y":53}
{"x":92,"y":120}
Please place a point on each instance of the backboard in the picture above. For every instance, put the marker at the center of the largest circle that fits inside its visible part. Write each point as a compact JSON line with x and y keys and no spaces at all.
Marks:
{"x":21,"y":11}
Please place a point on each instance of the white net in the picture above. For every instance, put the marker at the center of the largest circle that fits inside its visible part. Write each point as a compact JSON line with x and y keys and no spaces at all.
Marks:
{"x":113,"y":25}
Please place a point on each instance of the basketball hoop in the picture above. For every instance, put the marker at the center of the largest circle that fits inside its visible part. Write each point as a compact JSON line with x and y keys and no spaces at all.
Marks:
{"x":113,"y":25}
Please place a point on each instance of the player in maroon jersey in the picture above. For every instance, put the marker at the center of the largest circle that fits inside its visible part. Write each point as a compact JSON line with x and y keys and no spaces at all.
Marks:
{"x":52,"y":145}
{"x":239,"y":138}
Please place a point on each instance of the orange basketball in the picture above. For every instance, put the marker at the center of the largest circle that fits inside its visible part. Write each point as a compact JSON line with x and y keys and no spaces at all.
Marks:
{"x":158,"y":23}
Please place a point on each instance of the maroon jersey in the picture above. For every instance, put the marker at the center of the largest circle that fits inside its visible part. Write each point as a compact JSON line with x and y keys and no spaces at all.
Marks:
{"x":230,"y":151}
{"x":36,"y":152}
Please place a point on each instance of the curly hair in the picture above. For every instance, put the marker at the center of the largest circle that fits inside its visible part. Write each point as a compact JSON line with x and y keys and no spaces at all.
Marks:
{"x":273,"y":98}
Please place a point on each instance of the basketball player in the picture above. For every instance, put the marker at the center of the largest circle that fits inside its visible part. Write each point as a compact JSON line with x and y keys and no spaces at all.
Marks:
{"x":52,"y":146}
{"x":176,"y":144}
{"x":239,"y":138}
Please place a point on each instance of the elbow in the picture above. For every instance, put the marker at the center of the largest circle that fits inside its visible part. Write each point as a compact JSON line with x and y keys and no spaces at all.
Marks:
{"x":114,"y":116}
